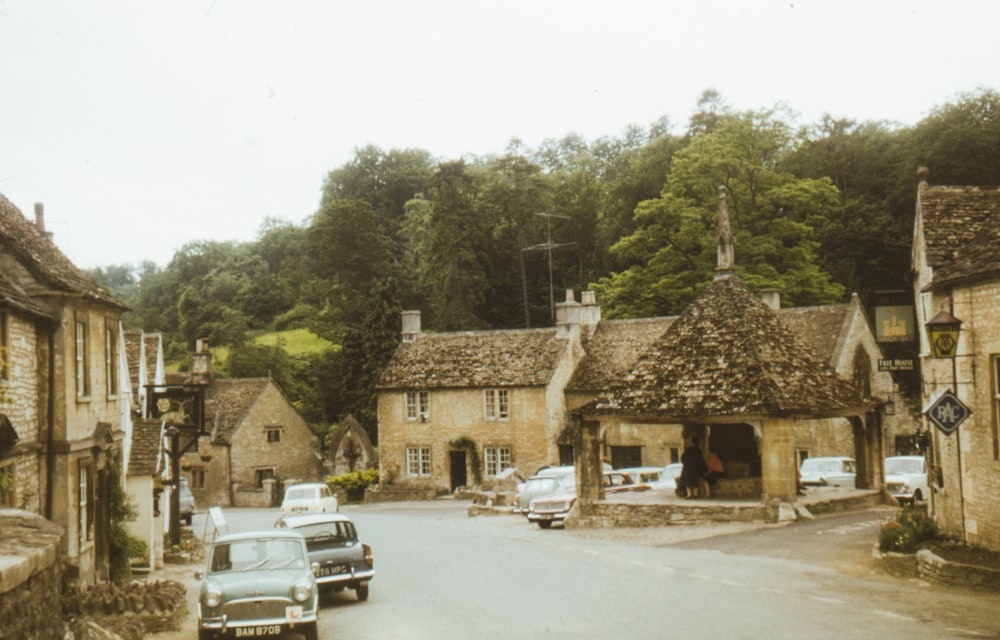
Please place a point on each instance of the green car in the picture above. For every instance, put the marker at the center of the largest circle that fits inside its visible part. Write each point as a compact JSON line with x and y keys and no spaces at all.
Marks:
{"x":258,"y":584}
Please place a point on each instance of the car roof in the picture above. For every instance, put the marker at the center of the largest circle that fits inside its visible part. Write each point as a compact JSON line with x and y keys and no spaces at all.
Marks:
{"x":905,"y":458}
{"x":307,"y":519}
{"x":307,"y":485}
{"x":257,"y":534}
{"x":638,"y":469}
{"x":553,"y":471}
{"x":820,"y":458}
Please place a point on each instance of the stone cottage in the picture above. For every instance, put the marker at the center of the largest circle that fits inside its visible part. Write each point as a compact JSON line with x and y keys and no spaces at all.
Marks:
{"x":956,"y":270}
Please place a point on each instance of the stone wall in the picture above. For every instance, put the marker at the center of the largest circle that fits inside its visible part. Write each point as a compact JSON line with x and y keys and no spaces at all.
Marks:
{"x":30,"y":576}
{"x":933,"y":568}
{"x":399,"y":493}
{"x":612,"y":514}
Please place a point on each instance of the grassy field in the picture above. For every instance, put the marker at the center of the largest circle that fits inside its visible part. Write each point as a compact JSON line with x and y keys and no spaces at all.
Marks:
{"x":294,"y":341}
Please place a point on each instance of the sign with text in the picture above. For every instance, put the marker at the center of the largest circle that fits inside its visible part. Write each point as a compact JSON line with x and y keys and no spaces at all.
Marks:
{"x":947,"y":412}
{"x":896,"y":364}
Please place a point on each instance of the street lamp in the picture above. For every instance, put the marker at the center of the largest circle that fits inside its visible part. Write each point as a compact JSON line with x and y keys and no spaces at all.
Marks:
{"x":942,"y":331}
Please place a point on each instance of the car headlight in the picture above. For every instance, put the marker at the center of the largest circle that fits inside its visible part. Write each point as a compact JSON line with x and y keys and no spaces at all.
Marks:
{"x":213,"y":597}
{"x":302,"y":591}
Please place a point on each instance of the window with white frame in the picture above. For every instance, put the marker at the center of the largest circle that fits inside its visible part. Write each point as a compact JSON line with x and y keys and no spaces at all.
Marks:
{"x":417,"y":405}
{"x":497,"y":459}
{"x":110,"y":359}
{"x":418,"y":461}
{"x":82,"y":386}
{"x":996,"y":406}
{"x":496,"y":405}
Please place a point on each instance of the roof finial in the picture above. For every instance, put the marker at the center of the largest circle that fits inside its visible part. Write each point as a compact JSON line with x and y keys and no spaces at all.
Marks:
{"x":724,"y":239}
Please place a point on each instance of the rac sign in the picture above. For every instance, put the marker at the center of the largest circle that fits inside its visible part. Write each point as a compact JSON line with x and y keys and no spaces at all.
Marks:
{"x":947,"y":412}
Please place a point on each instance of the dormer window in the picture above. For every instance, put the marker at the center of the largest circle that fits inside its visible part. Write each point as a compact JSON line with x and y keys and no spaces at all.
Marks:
{"x":496,"y":405}
{"x":417,"y":406}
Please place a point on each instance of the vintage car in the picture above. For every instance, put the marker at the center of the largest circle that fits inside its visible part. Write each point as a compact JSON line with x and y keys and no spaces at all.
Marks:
{"x":906,"y":478}
{"x":553,"y":509}
{"x":258,"y":584}
{"x":309,"y":497}
{"x":828,"y":471}
{"x":643,"y":475}
{"x":544,"y":482}
{"x":332,"y":540}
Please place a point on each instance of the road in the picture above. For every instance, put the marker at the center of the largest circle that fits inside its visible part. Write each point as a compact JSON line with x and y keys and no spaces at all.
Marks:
{"x":444,"y":575}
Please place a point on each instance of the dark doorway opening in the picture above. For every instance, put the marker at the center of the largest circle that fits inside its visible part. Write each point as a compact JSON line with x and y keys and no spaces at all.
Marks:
{"x":459,"y":473}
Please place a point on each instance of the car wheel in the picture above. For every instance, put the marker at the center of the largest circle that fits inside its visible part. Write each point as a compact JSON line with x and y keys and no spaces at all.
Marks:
{"x":310,"y":631}
{"x":362,"y":592}
{"x":545,"y":524}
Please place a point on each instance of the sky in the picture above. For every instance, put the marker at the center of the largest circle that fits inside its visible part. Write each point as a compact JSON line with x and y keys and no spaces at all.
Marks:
{"x":142,"y":126}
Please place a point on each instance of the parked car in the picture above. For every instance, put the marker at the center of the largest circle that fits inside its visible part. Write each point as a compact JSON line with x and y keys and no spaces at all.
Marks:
{"x":545,"y":482}
{"x":258,"y":584}
{"x":188,"y":507}
{"x":643,"y":475}
{"x":906,"y":478}
{"x":829,"y":471}
{"x":309,"y":497}
{"x":553,"y":509}
{"x":332,"y":542}
{"x":668,"y":476}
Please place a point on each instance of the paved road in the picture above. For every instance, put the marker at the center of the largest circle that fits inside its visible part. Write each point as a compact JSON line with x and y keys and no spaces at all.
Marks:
{"x":442,"y":574}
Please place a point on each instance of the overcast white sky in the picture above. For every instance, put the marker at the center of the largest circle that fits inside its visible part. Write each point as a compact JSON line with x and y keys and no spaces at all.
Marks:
{"x":145,"y":125}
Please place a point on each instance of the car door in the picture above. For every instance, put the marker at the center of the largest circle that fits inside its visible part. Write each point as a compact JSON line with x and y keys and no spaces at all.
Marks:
{"x":328,"y":501}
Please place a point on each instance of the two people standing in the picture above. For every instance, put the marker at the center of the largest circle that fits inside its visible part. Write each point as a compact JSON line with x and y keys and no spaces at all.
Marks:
{"x":699,"y":472}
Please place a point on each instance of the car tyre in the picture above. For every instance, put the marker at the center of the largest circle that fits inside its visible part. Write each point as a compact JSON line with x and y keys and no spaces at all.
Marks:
{"x":545,"y":524}
{"x":311,"y":631}
{"x":362,"y":592}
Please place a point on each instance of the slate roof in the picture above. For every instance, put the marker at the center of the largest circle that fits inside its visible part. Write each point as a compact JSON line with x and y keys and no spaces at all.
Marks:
{"x":729,"y":354}
{"x":53,"y":271}
{"x":144,"y":455}
{"x":227,"y":403}
{"x":961,"y":228}
{"x":519,"y":358}
{"x":612,"y":350}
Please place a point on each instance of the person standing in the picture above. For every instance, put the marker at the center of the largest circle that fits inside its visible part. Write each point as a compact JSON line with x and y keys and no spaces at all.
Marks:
{"x":692,"y":469}
{"x":713,"y":471}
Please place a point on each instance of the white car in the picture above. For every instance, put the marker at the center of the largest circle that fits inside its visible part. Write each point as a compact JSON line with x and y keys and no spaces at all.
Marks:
{"x":906,"y":478}
{"x":643,"y":475}
{"x":830,"y":471}
{"x":308,"y":497}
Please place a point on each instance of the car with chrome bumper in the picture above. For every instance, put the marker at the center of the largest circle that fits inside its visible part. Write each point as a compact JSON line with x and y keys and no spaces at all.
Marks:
{"x":341,"y":561}
{"x":554,"y":509}
{"x":906,"y":478}
{"x":258,"y":584}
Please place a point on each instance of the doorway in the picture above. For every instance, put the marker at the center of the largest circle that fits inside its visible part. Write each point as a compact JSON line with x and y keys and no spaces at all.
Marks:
{"x":459,"y":473}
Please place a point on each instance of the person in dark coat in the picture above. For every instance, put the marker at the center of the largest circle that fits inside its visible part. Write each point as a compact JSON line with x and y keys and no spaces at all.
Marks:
{"x":692,"y":469}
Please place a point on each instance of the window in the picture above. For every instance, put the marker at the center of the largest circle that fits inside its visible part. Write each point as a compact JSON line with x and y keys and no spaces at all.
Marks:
{"x":675,"y":454}
{"x":110,"y":358}
{"x":996,"y":406}
{"x":622,"y":457}
{"x":4,"y":347}
{"x":197,"y":477}
{"x":566,"y":455}
{"x":82,"y":387}
{"x":260,"y":475}
{"x":84,"y":503}
{"x":497,"y":459}
{"x":417,"y":405}
{"x":496,"y":405}
{"x":418,"y":461}
{"x":273,"y":434}
{"x":801,"y":455}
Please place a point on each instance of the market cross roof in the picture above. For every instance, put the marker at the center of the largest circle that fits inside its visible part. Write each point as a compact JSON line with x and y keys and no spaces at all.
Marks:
{"x":729,"y":354}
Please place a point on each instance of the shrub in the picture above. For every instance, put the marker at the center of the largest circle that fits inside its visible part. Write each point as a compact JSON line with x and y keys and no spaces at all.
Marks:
{"x":354,"y":483}
{"x":904,"y":534}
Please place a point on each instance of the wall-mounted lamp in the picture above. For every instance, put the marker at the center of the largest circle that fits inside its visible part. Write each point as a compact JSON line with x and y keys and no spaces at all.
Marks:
{"x":942,"y":331}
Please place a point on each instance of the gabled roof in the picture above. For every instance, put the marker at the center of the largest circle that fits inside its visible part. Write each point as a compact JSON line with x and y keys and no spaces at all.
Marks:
{"x":13,"y":296}
{"x":820,"y":327}
{"x":519,"y":358}
{"x":613,"y":349}
{"x":133,"y":352}
{"x":227,"y":403}
{"x":348,"y":425}
{"x":960,"y":227}
{"x":144,"y":456}
{"x":729,"y":355}
{"x":53,"y":271}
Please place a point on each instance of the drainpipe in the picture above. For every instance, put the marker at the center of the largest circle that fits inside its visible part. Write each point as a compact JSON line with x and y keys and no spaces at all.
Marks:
{"x":50,"y":454}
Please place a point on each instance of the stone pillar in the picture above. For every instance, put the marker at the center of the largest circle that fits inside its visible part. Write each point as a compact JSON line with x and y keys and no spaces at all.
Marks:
{"x":778,"y":466}
{"x":589,"y":487}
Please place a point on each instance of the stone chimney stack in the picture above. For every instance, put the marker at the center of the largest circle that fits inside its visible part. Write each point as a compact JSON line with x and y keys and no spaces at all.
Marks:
{"x":567,"y":315}
{"x":201,"y":366}
{"x":411,"y":325}
{"x":772,"y":298}
{"x":40,"y":216}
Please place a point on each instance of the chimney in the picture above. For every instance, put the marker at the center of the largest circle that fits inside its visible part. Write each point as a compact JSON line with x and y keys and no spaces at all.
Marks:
{"x":201,"y":365}
{"x":567,"y":315}
{"x":590,"y":311}
{"x":772,"y":298}
{"x":40,"y":216}
{"x":411,"y":325}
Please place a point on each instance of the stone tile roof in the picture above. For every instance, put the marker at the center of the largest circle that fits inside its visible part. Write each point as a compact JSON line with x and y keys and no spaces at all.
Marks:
{"x":133,"y":351}
{"x":227,"y":403}
{"x":962,"y":231}
{"x":13,"y":296}
{"x":144,"y":457}
{"x":51,"y":270}
{"x":151,"y":344}
{"x":519,"y":358}
{"x":729,"y":354}
{"x":613,"y":349}
{"x":819,"y":327}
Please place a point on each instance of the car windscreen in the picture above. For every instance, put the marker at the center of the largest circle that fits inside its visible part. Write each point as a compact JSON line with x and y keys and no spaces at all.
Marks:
{"x":815,"y":466}
{"x":263,"y":553}
{"x":300,"y":494}
{"x":903,"y":465}
{"x":328,"y":533}
{"x":541,"y":484}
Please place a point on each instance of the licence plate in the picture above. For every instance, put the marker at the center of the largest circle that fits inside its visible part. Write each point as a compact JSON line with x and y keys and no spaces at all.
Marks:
{"x":262,"y":631}
{"x":544,"y":516}
{"x":331,"y":571}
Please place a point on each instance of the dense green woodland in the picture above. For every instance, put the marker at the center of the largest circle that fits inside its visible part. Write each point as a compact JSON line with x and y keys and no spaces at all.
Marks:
{"x":818,"y":211}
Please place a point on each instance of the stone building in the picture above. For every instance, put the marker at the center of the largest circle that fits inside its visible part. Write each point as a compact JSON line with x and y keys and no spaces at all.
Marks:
{"x":350,"y":449}
{"x":59,"y":389}
{"x":956,"y":270}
